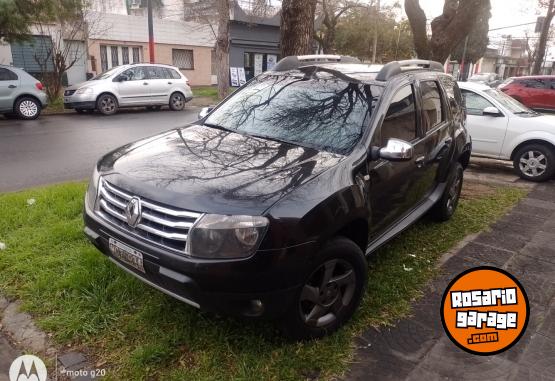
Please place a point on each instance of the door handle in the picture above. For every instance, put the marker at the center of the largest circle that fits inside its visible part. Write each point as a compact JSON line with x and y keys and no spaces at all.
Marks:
{"x":12,"y":86}
{"x":420,"y":161}
{"x":169,"y":83}
{"x":145,"y":83}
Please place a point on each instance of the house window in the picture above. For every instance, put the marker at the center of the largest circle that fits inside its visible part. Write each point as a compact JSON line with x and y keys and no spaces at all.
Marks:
{"x":114,"y":53}
{"x":125,"y":55}
{"x":103,"y":58}
{"x":136,"y":55}
{"x":183,"y":59}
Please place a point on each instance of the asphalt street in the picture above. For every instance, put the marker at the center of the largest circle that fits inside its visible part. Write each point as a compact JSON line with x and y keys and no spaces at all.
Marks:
{"x":60,"y":148}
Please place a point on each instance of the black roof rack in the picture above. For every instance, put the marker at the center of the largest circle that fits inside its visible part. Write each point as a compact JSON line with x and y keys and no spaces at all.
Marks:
{"x":294,"y":62}
{"x":397,"y":67}
{"x":310,"y":70}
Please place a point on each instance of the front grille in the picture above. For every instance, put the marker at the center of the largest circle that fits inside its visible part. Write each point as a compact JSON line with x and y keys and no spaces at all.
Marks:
{"x":161,"y":225}
{"x":68,"y":93}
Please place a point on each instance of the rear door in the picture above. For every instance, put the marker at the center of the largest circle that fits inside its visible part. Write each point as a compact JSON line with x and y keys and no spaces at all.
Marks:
{"x":160,"y":84}
{"x":535,"y":93}
{"x":9,"y":84}
{"x":487,"y":132}
{"x":436,"y":140}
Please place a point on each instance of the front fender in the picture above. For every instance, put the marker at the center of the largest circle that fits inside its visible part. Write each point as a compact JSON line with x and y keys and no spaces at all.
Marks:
{"x":510,"y":146}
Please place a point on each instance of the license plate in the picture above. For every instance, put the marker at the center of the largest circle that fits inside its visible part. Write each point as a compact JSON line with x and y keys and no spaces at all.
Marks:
{"x":66,"y":100}
{"x":127,"y":254}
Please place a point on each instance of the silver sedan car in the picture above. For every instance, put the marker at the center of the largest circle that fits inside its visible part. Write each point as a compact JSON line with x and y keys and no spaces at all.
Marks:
{"x":134,"y":85}
{"x":21,"y":95}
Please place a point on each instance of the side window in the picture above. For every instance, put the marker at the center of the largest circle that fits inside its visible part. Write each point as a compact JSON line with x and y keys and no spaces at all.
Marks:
{"x":475,"y":104}
{"x":155,"y":72}
{"x":174,"y":74}
{"x":534,"y":83}
{"x":432,"y":107}
{"x":453,"y":92}
{"x":135,"y":73}
{"x":7,"y":75}
{"x":400,"y":120}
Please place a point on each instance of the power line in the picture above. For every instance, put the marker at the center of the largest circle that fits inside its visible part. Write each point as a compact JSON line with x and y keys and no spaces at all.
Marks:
{"x":512,"y":26}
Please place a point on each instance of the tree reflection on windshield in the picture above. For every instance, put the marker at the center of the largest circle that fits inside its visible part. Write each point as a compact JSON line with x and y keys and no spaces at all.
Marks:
{"x":322,"y":113}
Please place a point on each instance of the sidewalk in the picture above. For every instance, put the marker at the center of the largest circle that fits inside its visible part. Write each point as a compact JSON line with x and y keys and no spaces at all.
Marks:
{"x":523,"y":243}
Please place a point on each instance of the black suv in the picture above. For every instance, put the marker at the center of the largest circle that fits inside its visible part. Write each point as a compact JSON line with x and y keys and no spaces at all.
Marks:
{"x":269,"y":205}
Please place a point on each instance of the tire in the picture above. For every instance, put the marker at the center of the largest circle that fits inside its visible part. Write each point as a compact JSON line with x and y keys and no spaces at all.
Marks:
{"x":27,"y":108}
{"x":444,"y":209}
{"x":334,"y":304}
{"x":153,"y":108}
{"x":107,"y":104}
{"x":535,"y":162}
{"x":177,"y":101}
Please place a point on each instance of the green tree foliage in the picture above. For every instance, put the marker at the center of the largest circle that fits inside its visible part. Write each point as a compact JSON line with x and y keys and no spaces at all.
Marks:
{"x":16,"y":16}
{"x":355,"y":33}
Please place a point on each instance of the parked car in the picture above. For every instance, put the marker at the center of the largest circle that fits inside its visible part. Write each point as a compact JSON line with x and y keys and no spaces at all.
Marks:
{"x":270,"y":204}
{"x":489,"y":79}
{"x":130,"y":85}
{"x":21,"y":95}
{"x":503,"y":128}
{"x":535,"y":92}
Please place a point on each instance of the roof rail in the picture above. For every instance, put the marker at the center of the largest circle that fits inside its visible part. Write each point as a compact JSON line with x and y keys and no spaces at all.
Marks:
{"x":294,"y":62}
{"x":397,"y":67}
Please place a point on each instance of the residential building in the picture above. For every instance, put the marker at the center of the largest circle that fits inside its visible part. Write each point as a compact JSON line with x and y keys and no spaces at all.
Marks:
{"x":509,"y":58}
{"x":123,"y":39}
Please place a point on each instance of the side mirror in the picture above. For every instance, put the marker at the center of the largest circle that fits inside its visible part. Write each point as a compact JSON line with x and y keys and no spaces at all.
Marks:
{"x":122,"y":78}
{"x":396,"y":150}
{"x":491,"y":111}
{"x":205,"y":111}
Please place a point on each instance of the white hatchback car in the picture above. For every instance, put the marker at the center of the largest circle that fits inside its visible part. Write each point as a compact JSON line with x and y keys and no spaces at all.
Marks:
{"x":503,"y":128}
{"x":133,"y":85}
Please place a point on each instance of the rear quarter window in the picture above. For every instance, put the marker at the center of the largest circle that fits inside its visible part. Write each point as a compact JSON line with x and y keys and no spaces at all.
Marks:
{"x":7,"y":75}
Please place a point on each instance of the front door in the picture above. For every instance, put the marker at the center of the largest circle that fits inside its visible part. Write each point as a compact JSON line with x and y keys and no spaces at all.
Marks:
{"x":9,"y":82}
{"x":393,"y":188}
{"x":487,"y":132}
{"x":135,"y":88}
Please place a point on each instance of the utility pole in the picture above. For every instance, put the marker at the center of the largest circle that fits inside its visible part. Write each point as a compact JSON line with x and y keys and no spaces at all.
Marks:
{"x":464,"y":59}
{"x":375,"y":44}
{"x":150,"y":32}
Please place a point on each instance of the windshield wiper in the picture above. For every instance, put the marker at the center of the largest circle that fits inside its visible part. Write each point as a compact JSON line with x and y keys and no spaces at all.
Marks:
{"x":217,"y":126}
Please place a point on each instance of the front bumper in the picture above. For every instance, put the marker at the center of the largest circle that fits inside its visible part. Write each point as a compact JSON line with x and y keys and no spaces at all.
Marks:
{"x":235,"y":287}
{"x":80,"y":101}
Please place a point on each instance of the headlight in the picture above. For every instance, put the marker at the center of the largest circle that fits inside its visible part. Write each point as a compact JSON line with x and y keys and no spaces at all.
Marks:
{"x":215,"y":236}
{"x":84,"y":90}
{"x":90,"y":196}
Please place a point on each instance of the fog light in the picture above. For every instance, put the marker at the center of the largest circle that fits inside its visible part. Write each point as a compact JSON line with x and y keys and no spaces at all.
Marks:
{"x":255,"y":308}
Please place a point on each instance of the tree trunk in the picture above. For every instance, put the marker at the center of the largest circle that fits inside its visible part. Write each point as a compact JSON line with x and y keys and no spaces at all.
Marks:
{"x":222,"y":48}
{"x":297,"y":27}
{"x":448,"y":30}
{"x":542,"y":44}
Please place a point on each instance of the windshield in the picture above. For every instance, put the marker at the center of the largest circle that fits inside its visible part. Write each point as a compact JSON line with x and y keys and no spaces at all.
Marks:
{"x":325,"y":114}
{"x":106,"y":74}
{"x":509,"y":103}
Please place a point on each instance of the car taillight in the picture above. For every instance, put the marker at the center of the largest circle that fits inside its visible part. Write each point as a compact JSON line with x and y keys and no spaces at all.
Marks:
{"x":39,"y":85}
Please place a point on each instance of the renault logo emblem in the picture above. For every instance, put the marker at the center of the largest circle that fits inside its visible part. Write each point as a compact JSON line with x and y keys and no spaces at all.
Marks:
{"x":133,"y":212}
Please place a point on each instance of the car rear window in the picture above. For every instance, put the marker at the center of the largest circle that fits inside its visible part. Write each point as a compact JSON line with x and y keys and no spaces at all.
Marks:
{"x":325,"y":114}
{"x":432,"y":106}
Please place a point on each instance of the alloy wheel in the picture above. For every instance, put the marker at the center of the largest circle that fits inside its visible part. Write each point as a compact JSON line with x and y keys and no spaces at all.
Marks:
{"x":177,"y":101}
{"x":28,"y":108}
{"x":108,"y":105}
{"x":533,"y":163}
{"x":329,"y":290}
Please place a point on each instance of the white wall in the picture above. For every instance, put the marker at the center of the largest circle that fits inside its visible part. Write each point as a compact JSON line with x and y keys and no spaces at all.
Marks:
{"x":135,"y":29}
{"x":5,"y":53}
{"x":109,"y":6}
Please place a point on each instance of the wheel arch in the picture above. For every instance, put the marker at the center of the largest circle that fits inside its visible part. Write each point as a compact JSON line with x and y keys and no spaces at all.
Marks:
{"x":531,"y":141}
{"x":106,"y":93}
{"x":25,"y":95}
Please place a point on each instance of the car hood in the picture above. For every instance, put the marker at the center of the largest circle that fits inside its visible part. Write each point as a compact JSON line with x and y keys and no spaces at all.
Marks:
{"x":208,"y":170}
